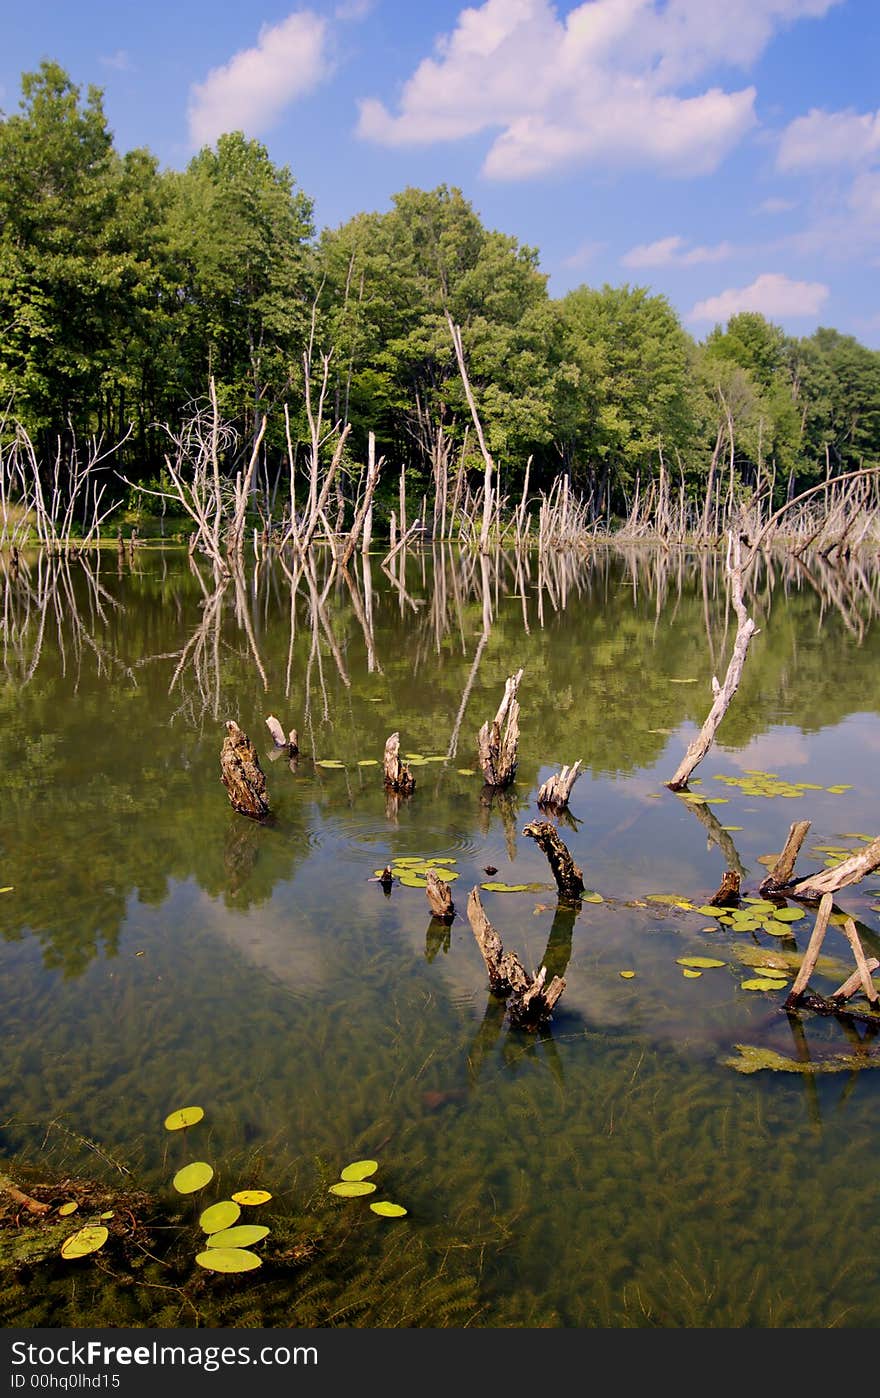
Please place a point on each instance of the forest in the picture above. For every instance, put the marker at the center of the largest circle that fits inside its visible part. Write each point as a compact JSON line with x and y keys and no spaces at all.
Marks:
{"x":126,"y":289}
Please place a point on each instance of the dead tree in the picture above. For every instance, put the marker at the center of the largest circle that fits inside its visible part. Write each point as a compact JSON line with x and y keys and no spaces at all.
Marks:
{"x":728,"y":891}
{"x":398,"y":776}
{"x":529,"y":1001}
{"x":439,"y":896}
{"x":290,"y":743}
{"x":569,"y":878}
{"x":723,"y":693}
{"x":832,"y":880}
{"x":556,"y":790}
{"x":497,"y":749}
{"x":242,"y":775}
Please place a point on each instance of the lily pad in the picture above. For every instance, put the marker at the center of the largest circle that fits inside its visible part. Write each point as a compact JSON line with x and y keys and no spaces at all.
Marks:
{"x":219,"y":1216}
{"x":359,"y":1170}
{"x":228,"y":1260}
{"x":252,"y":1196}
{"x":350,"y":1189}
{"x":330,"y":763}
{"x":185,"y":1116}
{"x":411,"y":880}
{"x":85,"y":1241}
{"x":702,"y":963}
{"x":505,"y":887}
{"x":761,"y":983}
{"x":193,"y":1177}
{"x":626,"y":975}
{"x":242,"y":1237}
{"x":69,"y":1208}
{"x":788,"y":914}
{"x":691,"y":975}
{"x":368,"y":762}
{"x":592,"y":898}
{"x":386,"y":1210}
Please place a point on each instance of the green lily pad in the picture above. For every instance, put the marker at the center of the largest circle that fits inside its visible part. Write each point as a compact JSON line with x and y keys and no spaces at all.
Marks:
{"x":350,"y":1189}
{"x":411,"y":880}
{"x":703,"y":963}
{"x":193,"y":1177}
{"x":69,"y":1208}
{"x":359,"y":1170}
{"x":592,"y":898}
{"x":242,"y":1237}
{"x":185,"y":1116}
{"x":85,"y":1241}
{"x":386,"y":1210}
{"x":252,"y":1196}
{"x":228,"y":1260}
{"x":789,"y":914}
{"x":368,"y":762}
{"x":691,"y":975}
{"x":626,"y":975}
{"x":219,"y":1216}
{"x":330,"y":763}
{"x":762,"y":983}
{"x":840,"y":789}
{"x":707,"y":910}
{"x":506,"y":887}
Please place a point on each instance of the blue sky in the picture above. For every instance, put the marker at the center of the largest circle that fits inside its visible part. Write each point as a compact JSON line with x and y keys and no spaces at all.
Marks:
{"x":723,"y":152}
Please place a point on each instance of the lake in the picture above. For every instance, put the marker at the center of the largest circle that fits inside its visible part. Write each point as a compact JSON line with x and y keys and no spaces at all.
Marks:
{"x":160,"y":950}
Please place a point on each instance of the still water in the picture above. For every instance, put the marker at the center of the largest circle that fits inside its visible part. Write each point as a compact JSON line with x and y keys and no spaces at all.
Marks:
{"x":159,"y":950}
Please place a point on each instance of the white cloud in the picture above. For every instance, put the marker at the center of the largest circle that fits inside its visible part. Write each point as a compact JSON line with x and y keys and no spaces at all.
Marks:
{"x":772,"y":294}
{"x":829,"y":138}
{"x":600,"y":83}
{"x":674,"y":252}
{"x":120,"y":60}
{"x":250,"y":92}
{"x":583,"y":253}
{"x":775,"y":205}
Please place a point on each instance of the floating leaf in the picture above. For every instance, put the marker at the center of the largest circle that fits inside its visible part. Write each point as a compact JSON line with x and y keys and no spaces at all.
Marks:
{"x":626,"y":975}
{"x":359,"y":1170}
{"x":185,"y":1116}
{"x":466,"y":771}
{"x":593,"y":898}
{"x":772,"y":973}
{"x":691,"y":975}
{"x":228,"y":1260}
{"x":693,"y":797}
{"x":505,"y":887}
{"x":764,"y":983}
{"x":789,"y":914}
{"x":701,"y":962}
{"x":350,"y":1189}
{"x":746,"y":924}
{"x":85,"y":1241}
{"x":193,"y":1177}
{"x":732,"y":827}
{"x":386,"y":1210}
{"x":776,"y":929}
{"x":411,"y":880}
{"x":330,"y":763}
{"x":9,"y":889}
{"x":219,"y":1216}
{"x":252,"y":1196}
{"x":242,"y":1237}
{"x":108,"y":1213}
{"x":839,"y":790}
{"x":368,"y":762}
{"x":69,"y":1208}
{"x":709,"y":910}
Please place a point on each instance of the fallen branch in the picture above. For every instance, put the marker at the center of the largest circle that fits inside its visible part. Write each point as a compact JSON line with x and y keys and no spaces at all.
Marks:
{"x":832,"y":880}
{"x":33,"y":1206}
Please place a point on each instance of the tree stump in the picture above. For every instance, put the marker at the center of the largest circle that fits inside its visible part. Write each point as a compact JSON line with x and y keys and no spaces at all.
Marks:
{"x":556,"y":790}
{"x":569,"y":878}
{"x":497,"y":750}
{"x":242,"y":775}
{"x":398,"y":776}
{"x":529,"y":1004}
{"x":290,"y":742}
{"x":728,"y":891}
{"x":439,"y":896}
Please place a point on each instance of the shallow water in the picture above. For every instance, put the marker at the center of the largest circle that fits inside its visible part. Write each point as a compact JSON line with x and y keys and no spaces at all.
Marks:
{"x":159,"y":950}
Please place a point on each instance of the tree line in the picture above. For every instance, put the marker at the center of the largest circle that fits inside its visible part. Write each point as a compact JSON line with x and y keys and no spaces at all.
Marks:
{"x":125,"y":289}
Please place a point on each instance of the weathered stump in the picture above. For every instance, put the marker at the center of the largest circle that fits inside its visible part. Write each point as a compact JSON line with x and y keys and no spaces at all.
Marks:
{"x":569,"y":878}
{"x":529,"y":1001}
{"x":556,"y":790}
{"x":780,"y":876}
{"x":398,"y":776}
{"x":290,"y":742}
{"x":242,"y":775}
{"x":497,"y":742}
{"x":728,"y":891}
{"x":439,"y":896}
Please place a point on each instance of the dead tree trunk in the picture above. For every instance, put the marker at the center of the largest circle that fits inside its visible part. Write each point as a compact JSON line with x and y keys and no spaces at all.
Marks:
{"x":439,"y":897}
{"x":745,"y":630}
{"x":780,"y":875}
{"x":569,"y":878}
{"x":290,"y":743}
{"x":811,"y":955}
{"x":556,"y":790}
{"x":529,"y":1004}
{"x":241,"y":773}
{"x":398,"y":776}
{"x":497,"y":750}
{"x":832,"y":880}
{"x":728,"y":891}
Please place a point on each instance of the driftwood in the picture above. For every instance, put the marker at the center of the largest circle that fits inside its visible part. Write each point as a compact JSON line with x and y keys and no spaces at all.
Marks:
{"x":855,"y":982}
{"x":241,"y":773}
{"x":398,"y":776}
{"x":811,"y":955}
{"x":780,"y":875}
{"x":569,"y":878}
{"x":832,"y":880}
{"x":723,"y":693}
{"x":728,"y":891}
{"x":529,"y":1001}
{"x":862,"y":966}
{"x":290,"y":742}
{"x":497,"y":742}
{"x":557,"y":789}
{"x":18,"y":1196}
{"x":439,"y":897}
